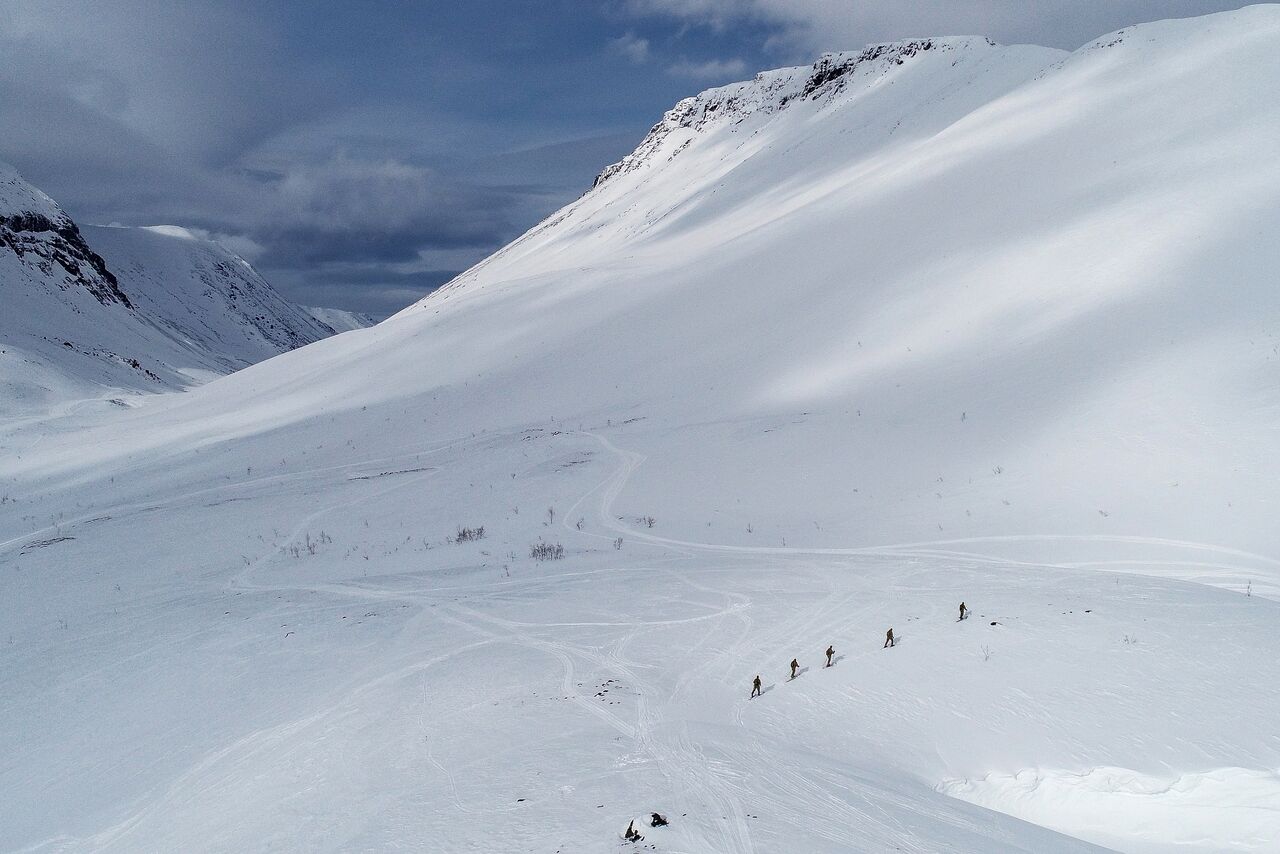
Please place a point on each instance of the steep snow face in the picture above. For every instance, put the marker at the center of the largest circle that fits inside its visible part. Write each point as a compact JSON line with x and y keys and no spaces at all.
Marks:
{"x":991,"y":324}
{"x":204,"y":296}
{"x":40,"y":235}
{"x":160,"y":311}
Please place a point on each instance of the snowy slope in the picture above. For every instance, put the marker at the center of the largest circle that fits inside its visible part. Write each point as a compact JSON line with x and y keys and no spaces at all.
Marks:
{"x":205,"y":296}
{"x":99,"y":311}
{"x":834,"y":350}
{"x":340,"y":320}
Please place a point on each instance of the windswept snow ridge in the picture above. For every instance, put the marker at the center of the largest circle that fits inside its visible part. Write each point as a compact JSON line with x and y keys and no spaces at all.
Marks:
{"x":771,"y":91}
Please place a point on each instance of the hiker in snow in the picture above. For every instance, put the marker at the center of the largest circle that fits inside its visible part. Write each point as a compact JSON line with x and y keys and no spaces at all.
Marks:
{"x":795,"y":665}
{"x":632,"y":835}
{"x":755,"y":686}
{"x":831,"y":651}
{"x":657,"y":820}
{"x":888,"y":639}
{"x":963,"y":611}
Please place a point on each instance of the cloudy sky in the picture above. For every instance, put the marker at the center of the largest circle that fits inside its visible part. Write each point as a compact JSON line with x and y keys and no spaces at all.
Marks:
{"x":361,"y":152}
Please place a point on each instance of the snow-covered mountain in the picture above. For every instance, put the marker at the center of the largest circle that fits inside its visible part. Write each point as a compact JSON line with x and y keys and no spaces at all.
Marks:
{"x":341,"y":320}
{"x":834,"y":350}
{"x":98,"y":311}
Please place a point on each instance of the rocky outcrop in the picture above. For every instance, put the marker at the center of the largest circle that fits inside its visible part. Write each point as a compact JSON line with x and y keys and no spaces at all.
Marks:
{"x":771,"y":91}
{"x":55,"y":244}
{"x":125,"y":309}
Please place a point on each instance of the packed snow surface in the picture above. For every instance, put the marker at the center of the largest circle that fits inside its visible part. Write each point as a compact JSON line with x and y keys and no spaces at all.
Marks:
{"x":833,"y":351}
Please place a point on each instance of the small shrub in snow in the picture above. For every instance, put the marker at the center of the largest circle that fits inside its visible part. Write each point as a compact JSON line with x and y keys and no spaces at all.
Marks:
{"x":467,"y":535}
{"x":309,"y":545}
{"x":617,"y":544}
{"x":546,"y":551}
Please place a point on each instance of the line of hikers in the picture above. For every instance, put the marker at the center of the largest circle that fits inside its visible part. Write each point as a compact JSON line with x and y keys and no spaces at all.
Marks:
{"x":831,"y":652}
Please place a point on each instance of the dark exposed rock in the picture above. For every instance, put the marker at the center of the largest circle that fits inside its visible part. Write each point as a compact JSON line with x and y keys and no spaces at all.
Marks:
{"x":773,"y":91}
{"x":59,"y":241}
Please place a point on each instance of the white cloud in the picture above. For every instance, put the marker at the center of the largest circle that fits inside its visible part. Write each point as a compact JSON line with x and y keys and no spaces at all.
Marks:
{"x":632,"y":47}
{"x":246,"y":247}
{"x":817,"y":25}
{"x":712,"y":69}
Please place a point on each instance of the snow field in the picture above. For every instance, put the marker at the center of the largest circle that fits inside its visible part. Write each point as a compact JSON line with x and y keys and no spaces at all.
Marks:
{"x":331,"y":707}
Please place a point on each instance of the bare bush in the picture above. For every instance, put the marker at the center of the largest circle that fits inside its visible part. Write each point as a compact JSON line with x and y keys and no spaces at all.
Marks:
{"x":546,"y":551}
{"x":467,"y":535}
{"x":309,"y":546}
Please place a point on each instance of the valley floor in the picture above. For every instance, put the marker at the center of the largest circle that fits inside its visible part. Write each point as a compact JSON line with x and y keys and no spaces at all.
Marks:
{"x":303,"y":661}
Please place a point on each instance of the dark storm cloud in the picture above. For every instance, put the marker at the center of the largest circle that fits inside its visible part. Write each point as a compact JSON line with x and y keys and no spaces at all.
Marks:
{"x":367,"y":209}
{"x":848,"y":24}
{"x":362,"y":153}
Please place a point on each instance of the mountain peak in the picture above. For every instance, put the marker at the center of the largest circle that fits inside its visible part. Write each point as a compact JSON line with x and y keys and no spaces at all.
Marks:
{"x":36,"y":229}
{"x":771,"y":91}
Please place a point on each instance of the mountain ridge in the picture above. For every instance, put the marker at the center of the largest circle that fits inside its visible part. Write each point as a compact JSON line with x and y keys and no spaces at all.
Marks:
{"x":99,"y":311}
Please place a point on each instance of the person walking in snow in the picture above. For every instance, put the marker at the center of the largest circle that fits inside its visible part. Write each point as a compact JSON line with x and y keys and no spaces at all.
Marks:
{"x":831,"y":651}
{"x":888,"y":639}
{"x":755,"y":687}
{"x":795,"y":666}
{"x":964,"y":612}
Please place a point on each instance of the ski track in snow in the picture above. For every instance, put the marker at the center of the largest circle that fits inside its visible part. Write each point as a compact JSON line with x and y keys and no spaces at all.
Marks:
{"x":632,"y":461}
{"x":690,"y":772}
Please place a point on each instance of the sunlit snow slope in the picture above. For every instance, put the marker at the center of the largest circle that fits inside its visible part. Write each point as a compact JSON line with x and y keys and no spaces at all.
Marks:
{"x":834,"y":350}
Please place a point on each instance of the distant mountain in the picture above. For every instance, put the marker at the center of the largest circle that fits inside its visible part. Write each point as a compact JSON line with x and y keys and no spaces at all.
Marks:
{"x":89,"y":312}
{"x":340,"y":320}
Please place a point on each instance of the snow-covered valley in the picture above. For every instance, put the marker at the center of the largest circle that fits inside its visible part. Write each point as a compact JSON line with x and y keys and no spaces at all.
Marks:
{"x":835,"y":350}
